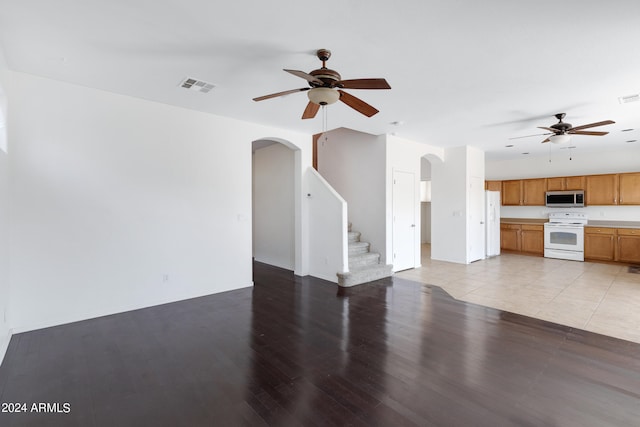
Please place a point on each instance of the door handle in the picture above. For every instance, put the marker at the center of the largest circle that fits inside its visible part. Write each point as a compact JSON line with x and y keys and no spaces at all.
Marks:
{"x":413,"y":225}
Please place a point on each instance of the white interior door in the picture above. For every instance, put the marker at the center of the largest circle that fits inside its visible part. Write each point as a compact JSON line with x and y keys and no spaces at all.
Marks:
{"x":404,"y":220}
{"x":476,"y":236}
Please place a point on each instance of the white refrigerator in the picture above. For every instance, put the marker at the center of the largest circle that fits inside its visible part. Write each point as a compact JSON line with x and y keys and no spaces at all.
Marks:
{"x":492,"y":223}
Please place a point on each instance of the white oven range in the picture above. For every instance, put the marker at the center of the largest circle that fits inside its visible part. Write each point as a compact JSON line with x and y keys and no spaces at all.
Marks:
{"x":564,"y":235}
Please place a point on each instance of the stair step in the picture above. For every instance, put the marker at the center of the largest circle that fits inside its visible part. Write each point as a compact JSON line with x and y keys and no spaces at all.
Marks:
{"x":354,"y":236}
{"x":360,"y":260}
{"x":358,"y":248}
{"x":364,"y":274}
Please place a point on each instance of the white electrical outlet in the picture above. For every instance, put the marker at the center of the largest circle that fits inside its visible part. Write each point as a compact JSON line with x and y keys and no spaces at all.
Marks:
{"x":165,"y":277}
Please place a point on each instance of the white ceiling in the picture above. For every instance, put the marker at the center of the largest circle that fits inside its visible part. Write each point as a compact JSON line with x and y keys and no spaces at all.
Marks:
{"x":462,"y":72}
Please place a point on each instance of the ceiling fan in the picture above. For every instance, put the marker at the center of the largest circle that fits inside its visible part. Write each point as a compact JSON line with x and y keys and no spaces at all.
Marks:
{"x":326,"y":88}
{"x":561,"y":131}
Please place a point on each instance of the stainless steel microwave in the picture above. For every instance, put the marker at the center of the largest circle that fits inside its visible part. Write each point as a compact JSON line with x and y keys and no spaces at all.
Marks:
{"x":565,"y":199}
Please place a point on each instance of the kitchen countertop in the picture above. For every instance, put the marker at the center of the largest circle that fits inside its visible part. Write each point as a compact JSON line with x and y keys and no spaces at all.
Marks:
{"x":524,"y":221}
{"x":614,"y":224}
{"x":591,"y":223}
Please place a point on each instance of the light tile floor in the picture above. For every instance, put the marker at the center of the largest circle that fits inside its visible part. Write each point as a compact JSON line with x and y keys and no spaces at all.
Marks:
{"x":602,"y":298}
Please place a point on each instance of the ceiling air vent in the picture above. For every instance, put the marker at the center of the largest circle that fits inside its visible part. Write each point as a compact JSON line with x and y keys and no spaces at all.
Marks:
{"x":629,"y":98}
{"x":196,"y":85}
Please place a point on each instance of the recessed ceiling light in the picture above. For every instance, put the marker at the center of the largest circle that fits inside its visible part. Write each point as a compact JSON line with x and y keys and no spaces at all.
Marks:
{"x":509,"y":146}
{"x":626,"y":130}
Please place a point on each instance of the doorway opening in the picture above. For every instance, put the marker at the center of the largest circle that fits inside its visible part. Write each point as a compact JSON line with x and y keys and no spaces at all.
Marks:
{"x":274,"y":190}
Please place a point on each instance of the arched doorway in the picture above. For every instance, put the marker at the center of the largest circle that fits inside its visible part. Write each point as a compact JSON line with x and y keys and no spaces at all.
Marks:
{"x":274,"y":203}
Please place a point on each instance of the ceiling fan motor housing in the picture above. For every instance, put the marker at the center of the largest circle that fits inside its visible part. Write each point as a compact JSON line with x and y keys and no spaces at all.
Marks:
{"x":562,"y":127}
{"x":329,"y":77}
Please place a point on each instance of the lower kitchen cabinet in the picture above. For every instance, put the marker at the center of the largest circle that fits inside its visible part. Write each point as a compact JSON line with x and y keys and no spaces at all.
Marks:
{"x":612,"y":244}
{"x":532,"y":239}
{"x":600,"y":243}
{"x":629,"y":245}
{"x":510,"y":237}
{"x":527,"y":238}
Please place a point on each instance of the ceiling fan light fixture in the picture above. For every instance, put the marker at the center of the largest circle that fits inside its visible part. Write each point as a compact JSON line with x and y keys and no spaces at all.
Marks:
{"x":560,"y":139}
{"x":323,"y":95}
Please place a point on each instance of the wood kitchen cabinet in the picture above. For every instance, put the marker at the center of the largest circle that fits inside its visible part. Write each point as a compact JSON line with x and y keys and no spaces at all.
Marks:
{"x":510,"y":237}
{"x":600,"y":243}
{"x":601,"y":189}
{"x":556,"y":184}
{"x":612,"y":244}
{"x":512,"y":193}
{"x":563,"y":183}
{"x":524,"y":192}
{"x":628,"y":245}
{"x":574,"y":183}
{"x":533,"y":192}
{"x":604,"y":190}
{"x":527,"y":238}
{"x":493,"y":185}
{"x":532,"y":239}
{"x":629,"y":188}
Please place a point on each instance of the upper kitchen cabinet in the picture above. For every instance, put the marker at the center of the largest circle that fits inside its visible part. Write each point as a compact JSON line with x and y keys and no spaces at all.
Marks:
{"x":533,"y":191}
{"x":512,"y":193}
{"x":601,"y":189}
{"x":493,"y":185}
{"x":524,"y":192}
{"x":556,"y":184}
{"x":629,"y":185}
{"x":574,"y":183}
{"x":565,"y":183}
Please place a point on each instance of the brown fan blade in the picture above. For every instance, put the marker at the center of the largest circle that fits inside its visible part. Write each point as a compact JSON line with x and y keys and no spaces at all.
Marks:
{"x":583,"y":132}
{"x":311,"y":110}
{"x":363,"y":84}
{"x":357,"y":104}
{"x":305,"y":76}
{"x":592,"y":125}
{"x":546,"y":140}
{"x":286,"y":92}
{"x":549,"y":129}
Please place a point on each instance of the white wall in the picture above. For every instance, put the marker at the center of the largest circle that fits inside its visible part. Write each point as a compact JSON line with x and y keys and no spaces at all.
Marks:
{"x":354,"y":164}
{"x":273,"y":206}
{"x":120,"y":203}
{"x":4,"y":216}
{"x":328,"y":253}
{"x":582,"y":164}
{"x":449,"y":206}
{"x":451,"y":236}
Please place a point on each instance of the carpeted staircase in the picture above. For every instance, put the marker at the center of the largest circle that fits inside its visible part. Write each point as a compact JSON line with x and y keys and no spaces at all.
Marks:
{"x":364,"y":266}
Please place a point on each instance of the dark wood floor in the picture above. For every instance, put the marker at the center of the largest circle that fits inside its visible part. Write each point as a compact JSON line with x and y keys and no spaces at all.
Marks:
{"x":293,"y":351}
